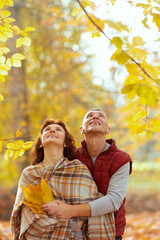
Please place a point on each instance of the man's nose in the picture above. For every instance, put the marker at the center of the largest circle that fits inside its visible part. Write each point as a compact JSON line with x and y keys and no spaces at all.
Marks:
{"x":95,"y":116}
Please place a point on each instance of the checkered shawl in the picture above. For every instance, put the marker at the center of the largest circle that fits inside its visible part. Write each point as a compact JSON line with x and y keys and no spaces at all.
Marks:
{"x":70,"y":182}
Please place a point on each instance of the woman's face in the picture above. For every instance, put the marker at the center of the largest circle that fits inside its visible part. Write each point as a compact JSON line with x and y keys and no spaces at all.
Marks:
{"x":53,"y":134}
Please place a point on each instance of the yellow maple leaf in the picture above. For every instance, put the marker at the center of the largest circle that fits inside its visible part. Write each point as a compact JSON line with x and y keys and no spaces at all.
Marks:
{"x":37,"y":195}
{"x":18,"y":133}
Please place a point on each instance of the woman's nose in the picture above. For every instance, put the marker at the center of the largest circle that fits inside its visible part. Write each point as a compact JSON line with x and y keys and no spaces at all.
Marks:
{"x":52,"y":130}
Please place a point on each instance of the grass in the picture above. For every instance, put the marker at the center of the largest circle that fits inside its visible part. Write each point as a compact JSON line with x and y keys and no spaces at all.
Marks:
{"x":145,"y":178}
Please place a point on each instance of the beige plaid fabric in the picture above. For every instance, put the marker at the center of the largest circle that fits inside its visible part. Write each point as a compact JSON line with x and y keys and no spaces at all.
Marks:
{"x":70,"y":182}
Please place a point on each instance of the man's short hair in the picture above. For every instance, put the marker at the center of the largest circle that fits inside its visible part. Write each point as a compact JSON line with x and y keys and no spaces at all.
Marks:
{"x":94,"y":109}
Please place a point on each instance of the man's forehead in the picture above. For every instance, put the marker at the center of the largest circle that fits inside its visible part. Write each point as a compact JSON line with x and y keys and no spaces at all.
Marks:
{"x":94,"y":111}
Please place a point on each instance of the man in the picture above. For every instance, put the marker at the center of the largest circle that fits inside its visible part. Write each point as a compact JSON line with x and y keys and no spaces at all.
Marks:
{"x":110,"y":168}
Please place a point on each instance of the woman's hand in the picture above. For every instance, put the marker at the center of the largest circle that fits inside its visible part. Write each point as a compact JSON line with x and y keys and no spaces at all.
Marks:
{"x":58,"y":209}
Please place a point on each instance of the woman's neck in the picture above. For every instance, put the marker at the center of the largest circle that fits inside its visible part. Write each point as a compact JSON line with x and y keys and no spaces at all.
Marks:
{"x":52,"y":154}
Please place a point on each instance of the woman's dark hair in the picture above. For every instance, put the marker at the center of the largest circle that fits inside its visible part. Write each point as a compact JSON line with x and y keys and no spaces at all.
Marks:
{"x":37,"y":152}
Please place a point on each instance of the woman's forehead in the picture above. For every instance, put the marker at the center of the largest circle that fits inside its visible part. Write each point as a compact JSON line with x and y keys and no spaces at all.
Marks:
{"x":53,"y":125}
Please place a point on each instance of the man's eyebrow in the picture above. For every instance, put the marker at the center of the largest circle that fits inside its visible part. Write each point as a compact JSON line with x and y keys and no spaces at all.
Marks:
{"x":89,"y":113}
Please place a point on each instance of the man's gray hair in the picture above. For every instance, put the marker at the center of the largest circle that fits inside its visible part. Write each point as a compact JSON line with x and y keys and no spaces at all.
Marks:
{"x":94,"y":109}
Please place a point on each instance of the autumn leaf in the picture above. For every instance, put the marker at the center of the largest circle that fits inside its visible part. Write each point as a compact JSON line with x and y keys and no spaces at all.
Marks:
{"x":37,"y":195}
{"x":27,"y":145}
{"x":18,"y":133}
{"x":137,"y":41}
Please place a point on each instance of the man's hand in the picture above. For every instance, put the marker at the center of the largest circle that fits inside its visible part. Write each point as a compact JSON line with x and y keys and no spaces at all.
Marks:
{"x":58,"y":209}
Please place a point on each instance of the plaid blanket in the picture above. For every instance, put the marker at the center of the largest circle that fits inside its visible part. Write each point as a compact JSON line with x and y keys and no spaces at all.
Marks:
{"x":70,"y":182}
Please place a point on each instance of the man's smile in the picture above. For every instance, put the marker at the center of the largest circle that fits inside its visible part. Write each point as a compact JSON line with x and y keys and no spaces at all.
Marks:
{"x":94,"y":123}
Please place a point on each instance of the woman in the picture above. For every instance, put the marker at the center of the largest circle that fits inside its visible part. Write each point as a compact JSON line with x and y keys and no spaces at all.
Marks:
{"x":69,"y":180}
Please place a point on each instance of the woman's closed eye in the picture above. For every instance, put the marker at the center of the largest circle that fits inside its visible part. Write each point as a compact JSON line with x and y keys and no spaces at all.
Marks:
{"x":58,"y":129}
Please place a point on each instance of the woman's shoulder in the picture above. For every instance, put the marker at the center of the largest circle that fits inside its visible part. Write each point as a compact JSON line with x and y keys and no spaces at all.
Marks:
{"x":31,"y":168}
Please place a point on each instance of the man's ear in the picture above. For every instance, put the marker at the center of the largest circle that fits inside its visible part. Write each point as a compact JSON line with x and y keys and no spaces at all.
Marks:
{"x":81,"y":130}
{"x":108,"y":130}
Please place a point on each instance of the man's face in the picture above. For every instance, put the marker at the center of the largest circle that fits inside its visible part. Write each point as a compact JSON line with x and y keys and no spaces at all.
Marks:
{"x":95,"y":122}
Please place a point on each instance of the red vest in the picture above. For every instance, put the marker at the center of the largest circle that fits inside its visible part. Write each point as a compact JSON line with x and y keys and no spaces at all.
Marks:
{"x":106,"y":164}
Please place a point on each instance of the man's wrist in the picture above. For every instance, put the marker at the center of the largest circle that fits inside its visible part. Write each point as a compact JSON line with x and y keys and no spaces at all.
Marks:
{"x":81,"y":210}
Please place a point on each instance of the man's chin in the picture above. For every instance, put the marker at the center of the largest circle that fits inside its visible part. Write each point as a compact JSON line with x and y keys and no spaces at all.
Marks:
{"x":94,"y":129}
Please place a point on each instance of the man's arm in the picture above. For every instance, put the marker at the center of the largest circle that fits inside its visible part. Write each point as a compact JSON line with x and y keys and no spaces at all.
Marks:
{"x":109,"y":203}
{"x":116,"y":192}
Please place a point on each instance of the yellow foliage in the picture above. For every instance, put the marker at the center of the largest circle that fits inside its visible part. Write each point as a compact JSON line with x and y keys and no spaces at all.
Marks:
{"x":2,"y":3}
{"x":29,"y":29}
{"x":127,"y":88}
{"x":21,"y":152}
{"x":37,"y":195}
{"x":26,"y":41}
{"x":132,"y":68}
{"x":117,"y":42}
{"x":117,"y":26}
{"x":149,"y":134}
{"x":139,"y":115}
{"x":147,"y":94}
{"x":155,"y":123}
{"x":4,"y":50}
{"x":137,"y":41}
{"x":5,"y":14}
{"x":7,"y":31}
{"x":156,"y":20}
{"x":145,"y":22}
{"x":9,"y":3}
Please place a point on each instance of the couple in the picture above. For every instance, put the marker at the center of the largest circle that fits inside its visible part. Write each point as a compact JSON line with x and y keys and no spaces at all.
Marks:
{"x":77,"y":196}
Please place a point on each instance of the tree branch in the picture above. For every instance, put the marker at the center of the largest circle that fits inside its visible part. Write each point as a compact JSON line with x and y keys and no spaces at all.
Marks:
{"x":133,"y":60}
{"x":92,"y":20}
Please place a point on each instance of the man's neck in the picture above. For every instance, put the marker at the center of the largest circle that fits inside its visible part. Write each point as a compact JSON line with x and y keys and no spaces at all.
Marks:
{"x":95,"y":144}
